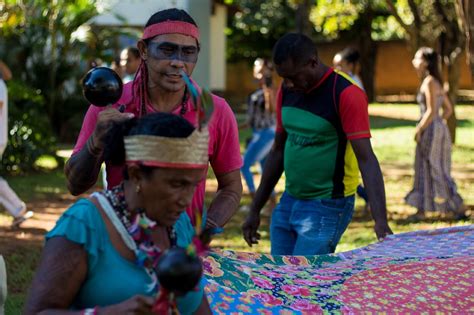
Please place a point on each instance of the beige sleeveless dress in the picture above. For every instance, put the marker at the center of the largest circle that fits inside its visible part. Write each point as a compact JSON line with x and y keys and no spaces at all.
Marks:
{"x":434,"y":188}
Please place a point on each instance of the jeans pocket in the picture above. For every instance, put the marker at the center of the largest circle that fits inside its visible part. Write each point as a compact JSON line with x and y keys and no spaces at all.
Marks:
{"x":334,"y":204}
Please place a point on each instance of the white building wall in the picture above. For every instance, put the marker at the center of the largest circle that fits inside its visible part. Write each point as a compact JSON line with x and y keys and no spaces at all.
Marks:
{"x":200,"y":10}
{"x":217,"y":66}
{"x":211,"y":67}
{"x":135,"y":12}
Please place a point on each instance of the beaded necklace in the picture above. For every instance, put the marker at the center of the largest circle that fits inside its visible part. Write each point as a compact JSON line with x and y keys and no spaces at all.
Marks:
{"x":139,"y":227}
{"x":182,"y":111}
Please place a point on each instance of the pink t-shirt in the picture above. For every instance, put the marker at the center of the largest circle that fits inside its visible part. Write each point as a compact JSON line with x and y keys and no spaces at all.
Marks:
{"x":224,"y":147}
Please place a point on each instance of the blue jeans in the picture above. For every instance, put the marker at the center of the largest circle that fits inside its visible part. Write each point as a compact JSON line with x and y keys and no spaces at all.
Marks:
{"x":257,"y":151}
{"x":309,"y":227}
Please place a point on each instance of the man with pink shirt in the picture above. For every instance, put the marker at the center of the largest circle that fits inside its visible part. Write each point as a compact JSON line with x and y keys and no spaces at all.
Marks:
{"x":170,"y":44}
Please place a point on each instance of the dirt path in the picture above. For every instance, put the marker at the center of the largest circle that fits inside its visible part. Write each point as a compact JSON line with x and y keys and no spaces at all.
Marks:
{"x":32,"y":231}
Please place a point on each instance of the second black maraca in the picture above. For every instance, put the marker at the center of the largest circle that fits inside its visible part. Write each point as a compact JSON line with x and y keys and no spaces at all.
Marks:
{"x":102,"y":86}
{"x":178,"y":271}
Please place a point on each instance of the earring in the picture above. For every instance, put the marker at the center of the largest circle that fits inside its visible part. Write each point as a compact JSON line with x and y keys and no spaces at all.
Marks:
{"x":137,"y":189}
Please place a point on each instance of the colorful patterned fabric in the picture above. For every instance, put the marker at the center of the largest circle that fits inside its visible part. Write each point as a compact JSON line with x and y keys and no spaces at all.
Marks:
{"x":429,"y":271}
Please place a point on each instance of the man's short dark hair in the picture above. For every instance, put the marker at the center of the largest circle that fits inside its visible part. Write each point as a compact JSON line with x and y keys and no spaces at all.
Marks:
{"x":350,"y":54}
{"x":296,"y":47}
{"x":172,"y":14}
{"x":133,"y":51}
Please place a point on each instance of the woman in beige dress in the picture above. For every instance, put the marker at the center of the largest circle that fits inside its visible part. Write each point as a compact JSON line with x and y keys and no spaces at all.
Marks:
{"x":434,"y":188}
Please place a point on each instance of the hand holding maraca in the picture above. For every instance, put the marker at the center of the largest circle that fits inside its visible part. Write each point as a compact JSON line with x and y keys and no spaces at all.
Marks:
{"x":103,"y":87}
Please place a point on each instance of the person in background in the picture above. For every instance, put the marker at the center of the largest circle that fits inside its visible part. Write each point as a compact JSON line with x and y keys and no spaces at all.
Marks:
{"x":117,"y":67}
{"x":8,"y":198}
{"x":261,"y":119}
{"x":434,"y":188}
{"x":347,"y":61}
{"x":3,"y":285}
{"x":129,"y":61}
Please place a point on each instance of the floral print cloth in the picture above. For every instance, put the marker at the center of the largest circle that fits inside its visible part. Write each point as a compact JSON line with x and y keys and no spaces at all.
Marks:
{"x":427,"y":270}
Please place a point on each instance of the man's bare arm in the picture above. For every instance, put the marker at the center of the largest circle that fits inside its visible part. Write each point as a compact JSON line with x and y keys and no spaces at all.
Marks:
{"x":82,"y":169}
{"x":373,"y":183}
{"x":227,"y":199}
{"x":5,"y":72}
{"x":272,"y":172}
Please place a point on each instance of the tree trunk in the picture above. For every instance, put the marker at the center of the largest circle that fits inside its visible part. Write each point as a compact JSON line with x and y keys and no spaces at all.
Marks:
{"x":451,"y":42}
{"x":469,"y":12}
{"x":368,"y":52}
{"x":454,"y":72}
{"x":465,"y":16}
{"x":303,"y":24}
{"x":52,"y":100}
{"x":470,"y":36}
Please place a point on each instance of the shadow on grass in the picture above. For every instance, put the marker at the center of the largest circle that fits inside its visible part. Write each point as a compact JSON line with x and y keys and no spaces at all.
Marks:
{"x":431,"y":220}
{"x":382,"y":122}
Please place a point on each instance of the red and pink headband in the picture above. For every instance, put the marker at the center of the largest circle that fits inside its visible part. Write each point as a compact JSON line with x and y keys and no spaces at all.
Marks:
{"x":171,"y":27}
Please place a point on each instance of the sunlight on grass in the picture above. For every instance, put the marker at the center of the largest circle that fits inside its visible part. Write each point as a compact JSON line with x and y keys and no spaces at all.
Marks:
{"x":46,"y":162}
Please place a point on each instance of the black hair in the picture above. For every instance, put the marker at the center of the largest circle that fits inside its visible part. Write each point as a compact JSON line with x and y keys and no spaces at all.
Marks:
{"x":297,"y":47}
{"x":169,"y":15}
{"x":432,"y":59}
{"x":350,"y":54}
{"x":134,"y":51}
{"x":156,"y":124}
{"x":266,"y":62}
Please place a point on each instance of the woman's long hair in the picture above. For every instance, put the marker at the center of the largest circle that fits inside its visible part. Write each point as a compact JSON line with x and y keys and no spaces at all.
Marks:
{"x":432,"y":59}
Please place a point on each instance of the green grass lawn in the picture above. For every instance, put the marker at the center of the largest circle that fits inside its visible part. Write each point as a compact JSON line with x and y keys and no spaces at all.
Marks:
{"x":392,"y":139}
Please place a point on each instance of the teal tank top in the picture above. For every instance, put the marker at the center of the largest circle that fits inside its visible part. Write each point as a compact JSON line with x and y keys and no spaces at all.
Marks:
{"x":112,"y":279}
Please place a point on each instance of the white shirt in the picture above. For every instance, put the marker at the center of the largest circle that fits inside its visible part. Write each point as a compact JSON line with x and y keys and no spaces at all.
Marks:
{"x":3,"y":116}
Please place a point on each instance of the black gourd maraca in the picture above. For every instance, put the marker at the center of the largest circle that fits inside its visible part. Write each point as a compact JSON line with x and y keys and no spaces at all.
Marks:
{"x":102,"y":86}
{"x":178,"y":271}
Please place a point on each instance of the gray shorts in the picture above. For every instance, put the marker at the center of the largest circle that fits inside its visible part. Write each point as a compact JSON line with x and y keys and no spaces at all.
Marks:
{"x":3,"y":285}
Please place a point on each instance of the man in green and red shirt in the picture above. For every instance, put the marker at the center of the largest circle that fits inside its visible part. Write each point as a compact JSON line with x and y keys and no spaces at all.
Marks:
{"x":322,"y":140}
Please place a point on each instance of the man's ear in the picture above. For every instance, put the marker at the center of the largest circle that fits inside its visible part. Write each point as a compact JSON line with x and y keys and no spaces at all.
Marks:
{"x":143,"y":49}
{"x":314,"y":61}
{"x":135,"y":174}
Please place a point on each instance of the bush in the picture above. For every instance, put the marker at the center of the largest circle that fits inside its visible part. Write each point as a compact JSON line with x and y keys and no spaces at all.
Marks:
{"x":30,"y":134}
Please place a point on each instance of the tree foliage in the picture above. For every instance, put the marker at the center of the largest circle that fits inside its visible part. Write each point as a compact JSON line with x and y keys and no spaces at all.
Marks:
{"x":256,"y":26}
{"x":339,"y":19}
{"x":361,"y":22}
{"x":30,"y":134}
{"x":438,"y":24}
{"x":47,"y":44}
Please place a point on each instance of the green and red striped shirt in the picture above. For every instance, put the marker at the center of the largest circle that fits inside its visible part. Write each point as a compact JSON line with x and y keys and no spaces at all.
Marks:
{"x":318,"y":159}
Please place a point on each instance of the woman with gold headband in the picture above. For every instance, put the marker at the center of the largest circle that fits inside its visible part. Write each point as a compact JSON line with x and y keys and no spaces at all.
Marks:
{"x":169,"y":46}
{"x":101,"y":256}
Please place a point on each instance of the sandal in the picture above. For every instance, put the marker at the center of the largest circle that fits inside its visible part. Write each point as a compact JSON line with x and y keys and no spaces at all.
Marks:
{"x":416,"y":217}
{"x":19,"y":220}
{"x":461,"y":217}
